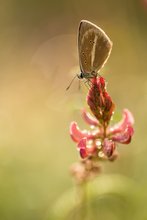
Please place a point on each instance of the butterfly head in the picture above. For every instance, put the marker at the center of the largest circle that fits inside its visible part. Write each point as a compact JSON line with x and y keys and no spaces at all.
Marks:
{"x":80,"y":75}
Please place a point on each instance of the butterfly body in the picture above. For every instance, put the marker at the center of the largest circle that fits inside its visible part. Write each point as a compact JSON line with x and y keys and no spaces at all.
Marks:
{"x":86,"y":75}
{"x":94,"y":48}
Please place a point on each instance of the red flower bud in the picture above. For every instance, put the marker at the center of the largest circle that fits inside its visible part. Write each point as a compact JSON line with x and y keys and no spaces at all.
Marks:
{"x":99,"y":101}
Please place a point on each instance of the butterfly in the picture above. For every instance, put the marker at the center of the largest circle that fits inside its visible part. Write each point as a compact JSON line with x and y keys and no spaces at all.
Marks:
{"x":94,"y":48}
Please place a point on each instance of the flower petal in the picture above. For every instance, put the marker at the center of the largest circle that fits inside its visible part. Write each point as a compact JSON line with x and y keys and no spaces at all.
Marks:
{"x":75,"y":133}
{"x":87,"y":147}
{"x":89,"y":118}
{"x":82,"y":143}
{"x":83,"y":153}
{"x":82,"y":148}
{"x":124,"y":137}
{"x":127,"y":120}
{"x":108,"y":147}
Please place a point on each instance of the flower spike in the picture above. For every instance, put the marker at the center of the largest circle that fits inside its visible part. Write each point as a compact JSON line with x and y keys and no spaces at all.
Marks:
{"x":101,"y":141}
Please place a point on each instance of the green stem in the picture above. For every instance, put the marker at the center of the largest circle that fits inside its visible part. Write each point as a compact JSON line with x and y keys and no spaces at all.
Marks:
{"x":82,"y":194}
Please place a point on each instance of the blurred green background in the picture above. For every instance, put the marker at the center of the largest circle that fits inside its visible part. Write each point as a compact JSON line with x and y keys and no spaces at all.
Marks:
{"x":38,"y":58}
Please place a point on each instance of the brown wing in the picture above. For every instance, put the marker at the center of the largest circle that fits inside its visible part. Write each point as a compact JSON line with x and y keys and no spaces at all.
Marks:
{"x":94,"y":47}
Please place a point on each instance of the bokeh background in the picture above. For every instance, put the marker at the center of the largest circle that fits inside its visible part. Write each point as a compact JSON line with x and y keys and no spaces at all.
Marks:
{"x":38,"y":58}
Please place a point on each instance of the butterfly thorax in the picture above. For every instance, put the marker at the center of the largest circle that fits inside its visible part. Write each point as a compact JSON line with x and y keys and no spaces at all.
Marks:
{"x":87,"y":75}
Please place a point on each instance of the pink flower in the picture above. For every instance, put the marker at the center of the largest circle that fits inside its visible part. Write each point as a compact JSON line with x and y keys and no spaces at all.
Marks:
{"x":97,"y":143}
{"x":102,"y":139}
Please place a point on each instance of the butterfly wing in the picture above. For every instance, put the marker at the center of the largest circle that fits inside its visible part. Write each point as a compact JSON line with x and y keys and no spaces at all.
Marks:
{"x":94,"y":47}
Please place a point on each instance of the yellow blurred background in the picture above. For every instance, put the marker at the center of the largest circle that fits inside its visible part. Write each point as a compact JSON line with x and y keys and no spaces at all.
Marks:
{"x":38,"y":58}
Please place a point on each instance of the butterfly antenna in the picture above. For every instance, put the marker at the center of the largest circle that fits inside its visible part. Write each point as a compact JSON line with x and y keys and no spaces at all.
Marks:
{"x":71,"y":82}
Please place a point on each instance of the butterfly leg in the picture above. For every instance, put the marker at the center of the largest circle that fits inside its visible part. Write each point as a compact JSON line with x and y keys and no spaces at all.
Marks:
{"x":86,"y":83}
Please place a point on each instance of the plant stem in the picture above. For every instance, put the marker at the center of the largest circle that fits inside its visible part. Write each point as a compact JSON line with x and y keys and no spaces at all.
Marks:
{"x":82,"y":194}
